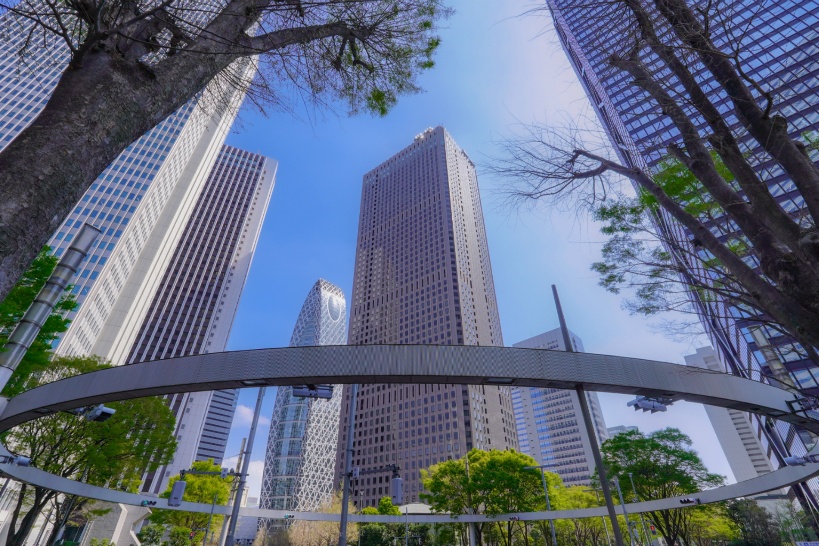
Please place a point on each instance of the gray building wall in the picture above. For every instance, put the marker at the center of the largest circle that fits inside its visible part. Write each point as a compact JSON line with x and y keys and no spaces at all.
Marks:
{"x":549,"y":421}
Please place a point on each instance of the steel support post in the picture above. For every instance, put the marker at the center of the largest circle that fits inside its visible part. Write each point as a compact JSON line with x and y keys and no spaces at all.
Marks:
{"x":237,"y":500}
{"x":642,"y":519}
{"x":587,"y":421}
{"x":38,"y":312}
{"x":625,"y":513}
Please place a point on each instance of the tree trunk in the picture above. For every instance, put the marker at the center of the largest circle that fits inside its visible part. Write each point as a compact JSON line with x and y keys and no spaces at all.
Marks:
{"x":18,"y":537}
{"x":96,"y":111}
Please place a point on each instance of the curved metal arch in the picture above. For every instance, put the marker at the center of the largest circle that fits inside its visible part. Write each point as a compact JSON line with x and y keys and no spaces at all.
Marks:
{"x":410,"y":364}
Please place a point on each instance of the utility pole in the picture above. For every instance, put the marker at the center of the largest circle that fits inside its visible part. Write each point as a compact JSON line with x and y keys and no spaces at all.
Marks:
{"x":587,"y":421}
{"x":471,"y":526}
{"x":625,"y":513}
{"x":545,"y":492}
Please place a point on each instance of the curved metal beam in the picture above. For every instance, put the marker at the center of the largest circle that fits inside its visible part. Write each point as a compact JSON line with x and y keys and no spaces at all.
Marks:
{"x":405,"y":364}
{"x":774,"y":480}
{"x":409,"y":364}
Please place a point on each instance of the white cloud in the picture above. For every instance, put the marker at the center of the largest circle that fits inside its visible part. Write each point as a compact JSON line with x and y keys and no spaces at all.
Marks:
{"x":244,"y":416}
{"x":254,"y":474}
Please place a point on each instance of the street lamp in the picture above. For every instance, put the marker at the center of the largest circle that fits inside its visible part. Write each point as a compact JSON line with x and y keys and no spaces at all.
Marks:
{"x":603,"y":518}
{"x":625,"y":513}
{"x":545,"y":492}
{"x":637,"y":499}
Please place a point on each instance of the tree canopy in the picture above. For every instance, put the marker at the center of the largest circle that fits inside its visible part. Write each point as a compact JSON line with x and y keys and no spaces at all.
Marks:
{"x":130,"y":64}
{"x":205,"y":489}
{"x":115,"y":453}
{"x":497,"y":483}
{"x":662,"y":464}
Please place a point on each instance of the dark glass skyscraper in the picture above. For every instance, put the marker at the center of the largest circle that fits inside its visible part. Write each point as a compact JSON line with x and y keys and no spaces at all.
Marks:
{"x":778,"y":49}
{"x":423,"y":276}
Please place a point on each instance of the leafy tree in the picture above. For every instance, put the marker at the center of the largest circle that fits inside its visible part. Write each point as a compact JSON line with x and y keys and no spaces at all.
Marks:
{"x":662,"y":465}
{"x":130,"y":64}
{"x":756,"y":526}
{"x":578,"y":531}
{"x":724,"y":135}
{"x":138,"y":438}
{"x":322,"y":533}
{"x":497,"y":484}
{"x":200,"y":488}
{"x":710,"y":526}
{"x":180,"y":536}
{"x":380,"y":533}
{"x":151,"y":535}
{"x":15,"y":305}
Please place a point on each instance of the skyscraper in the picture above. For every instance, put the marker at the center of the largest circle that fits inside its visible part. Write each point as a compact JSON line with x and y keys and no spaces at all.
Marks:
{"x":194,"y":305}
{"x":423,"y":276}
{"x":549,"y":421}
{"x":779,"y":53}
{"x":301,"y":446}
{"x":748,"y":453}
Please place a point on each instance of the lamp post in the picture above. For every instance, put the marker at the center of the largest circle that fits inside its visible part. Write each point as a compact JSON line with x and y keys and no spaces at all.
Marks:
{"x":602,"y":518}
{"x":348,"y":469}
{"x":38,"y":312}
{"x":237,"y":500}
{"x":545,"y":492}
{"x":637,"y":499}
{"x":587,"y":422}
{"x":625,"y":513}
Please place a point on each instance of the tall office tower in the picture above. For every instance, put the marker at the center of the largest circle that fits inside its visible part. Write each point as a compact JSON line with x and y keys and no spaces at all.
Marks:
{"x":779,"y":53}
{"x":549,"y":421}
{"x":748,"y":452}
{"x":194,"y":305}
{"x":301,"y":446}
{"x":422,"y":275}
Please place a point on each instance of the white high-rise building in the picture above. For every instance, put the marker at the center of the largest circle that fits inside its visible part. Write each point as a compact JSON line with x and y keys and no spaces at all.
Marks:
{"x":549,"y":422}
{"x":301,"y":446}
{"x":748,"y":451}
{"x":142,"y":202}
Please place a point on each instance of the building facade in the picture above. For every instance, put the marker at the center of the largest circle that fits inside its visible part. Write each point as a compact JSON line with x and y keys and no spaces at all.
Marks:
{"x":301,"y":445}
{"x":779,"y":52}
{"x":741,"y":441}
{"x":422,"y":276}
{"x":194,"y":305}
{"x":549,"y":421}
{"x":621,"y":429}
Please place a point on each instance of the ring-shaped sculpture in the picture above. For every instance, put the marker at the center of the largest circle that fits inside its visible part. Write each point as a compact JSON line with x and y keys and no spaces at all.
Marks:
{"x":411,"y":364}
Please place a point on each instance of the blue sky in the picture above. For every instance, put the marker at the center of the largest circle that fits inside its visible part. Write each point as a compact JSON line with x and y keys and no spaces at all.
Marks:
{"x":495,"y":68}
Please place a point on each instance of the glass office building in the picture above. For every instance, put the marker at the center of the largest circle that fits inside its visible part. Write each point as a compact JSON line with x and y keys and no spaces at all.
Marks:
{"x":301,"y":446}
{"x":779,"y":49}
{"x":549,"y":421}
